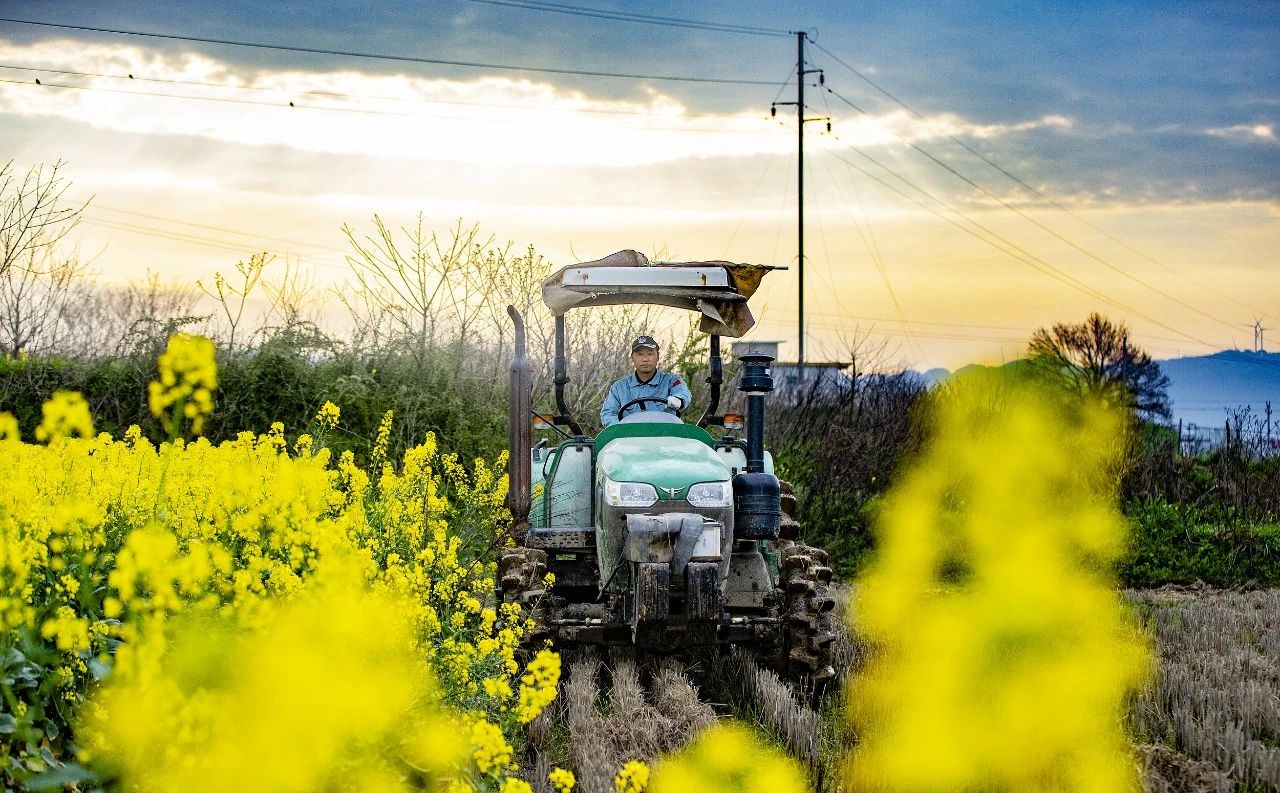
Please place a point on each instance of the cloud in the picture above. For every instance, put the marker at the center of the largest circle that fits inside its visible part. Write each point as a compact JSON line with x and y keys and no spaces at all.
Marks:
{"x":492,"y":120}
{"x":1265,"y":132}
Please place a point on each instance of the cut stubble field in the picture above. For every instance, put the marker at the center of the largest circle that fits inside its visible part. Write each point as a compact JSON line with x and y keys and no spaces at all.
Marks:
{"x":1209,"y":720}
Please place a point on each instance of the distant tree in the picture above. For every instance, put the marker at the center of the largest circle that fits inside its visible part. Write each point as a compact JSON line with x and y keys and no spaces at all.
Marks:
{"x":1095,"y":357}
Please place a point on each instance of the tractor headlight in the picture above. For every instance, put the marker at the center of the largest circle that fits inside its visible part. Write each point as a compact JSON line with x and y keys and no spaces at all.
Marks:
{"x":629,"y":494}
{"x":711,"y":494}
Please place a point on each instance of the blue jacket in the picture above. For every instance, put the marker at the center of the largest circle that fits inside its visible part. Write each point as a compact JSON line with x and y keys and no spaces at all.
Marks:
{"x":660,"y":386}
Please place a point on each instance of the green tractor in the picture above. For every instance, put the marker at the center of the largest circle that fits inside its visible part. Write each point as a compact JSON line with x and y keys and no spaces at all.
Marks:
{"x":661,"y":535}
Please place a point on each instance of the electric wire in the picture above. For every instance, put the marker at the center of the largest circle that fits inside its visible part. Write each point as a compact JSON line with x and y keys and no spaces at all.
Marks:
{"x":750,"y":201}
{"x":377,"y":56}
{"x":997,"y":241}
{"x":294,"y":105}
{"x":1120,"y":271}
{"x":868,"y":238}
{"x":1039,"y":194}
{"x":647,"y":19}
{"x":221,"y":229}
{"x":353,"y":97}
{"x":193,"y":239}
{"x":874,"y":255}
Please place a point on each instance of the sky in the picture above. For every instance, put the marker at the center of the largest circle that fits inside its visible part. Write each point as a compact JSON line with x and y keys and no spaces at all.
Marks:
{"x":991,"y":168}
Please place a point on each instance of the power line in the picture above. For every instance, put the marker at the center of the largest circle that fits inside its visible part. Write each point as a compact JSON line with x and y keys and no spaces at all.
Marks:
{"x":192,"y":239}
{"x":295,"y":105}
{"x":1003,"y":245}
{"x":225,"y":99}
{"x":344,"y":95}
{"x":647,"y":19}
{"x":1023,"y":183}
{"x":292,"y":105}
{"x":398,"y":58}
{"x":1035,"y":222}
{"x":222,"y":229}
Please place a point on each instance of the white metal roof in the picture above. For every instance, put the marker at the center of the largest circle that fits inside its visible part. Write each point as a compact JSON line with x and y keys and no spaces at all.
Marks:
{"x":718,"y":290}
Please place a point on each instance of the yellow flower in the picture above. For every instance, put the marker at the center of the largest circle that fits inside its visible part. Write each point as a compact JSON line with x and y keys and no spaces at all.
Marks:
{"x":188,"y":376}
{"x":730,"y":758}
{"x":632,"y":777}
{"x":562,"y":780}
{"x":1003,"y":654}
{"x":490,"y":751}
{"x":9,"y":427}
{"x":538,"y":685}
{"x":328,"y":415}
{"x":66,"y":414}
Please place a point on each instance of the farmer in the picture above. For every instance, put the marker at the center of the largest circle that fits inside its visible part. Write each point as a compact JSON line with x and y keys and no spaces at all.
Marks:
{"x":669,"y":392}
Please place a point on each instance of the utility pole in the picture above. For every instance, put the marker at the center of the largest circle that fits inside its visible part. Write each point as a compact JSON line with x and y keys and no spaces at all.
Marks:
{"x":800,"y":72}
{"x":800,"y":122}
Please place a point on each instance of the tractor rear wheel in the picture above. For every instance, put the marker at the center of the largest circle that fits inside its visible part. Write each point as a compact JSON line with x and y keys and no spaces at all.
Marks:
{"x":807,"y":613}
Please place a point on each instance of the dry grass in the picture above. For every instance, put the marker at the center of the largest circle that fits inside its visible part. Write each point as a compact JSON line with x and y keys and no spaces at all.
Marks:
{"x":776,"y":706}
{"x":1209,"y":723}
{"x":1213,"y":710}
{"x":608,"y":729}
{"x":677,"y":699}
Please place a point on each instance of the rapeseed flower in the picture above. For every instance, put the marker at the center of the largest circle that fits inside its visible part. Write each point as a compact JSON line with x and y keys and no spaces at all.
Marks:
{"x":188,"y":377}
{"x":730,"y":758}
{"x":110,"y":548}
{"x":328,"y":415}
{"x":632,"y":777}
{"x":65,"y":415}
{"x":562,"y":780}
{"x":1003,"y":652}
{"x":330,"y":678}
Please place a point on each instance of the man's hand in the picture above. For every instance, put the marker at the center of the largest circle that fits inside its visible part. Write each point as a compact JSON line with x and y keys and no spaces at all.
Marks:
{"x":675,"y":403}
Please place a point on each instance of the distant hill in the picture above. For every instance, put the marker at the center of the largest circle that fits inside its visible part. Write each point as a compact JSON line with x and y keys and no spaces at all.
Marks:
{"x":1204,"y":388}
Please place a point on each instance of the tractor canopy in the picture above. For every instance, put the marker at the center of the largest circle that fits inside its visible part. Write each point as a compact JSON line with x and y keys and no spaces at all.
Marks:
{"x":717,"y":290}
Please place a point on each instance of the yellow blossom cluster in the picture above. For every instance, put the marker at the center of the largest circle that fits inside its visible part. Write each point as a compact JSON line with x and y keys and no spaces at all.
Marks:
{"x":1003,"y":655}
{"x":321,"y":691}
{"x":9,"y":430}
{"x":328,"y":415}
{"x":112,"y":550}
{"x":538,"y":686}
{"x":562,"y":780}
{"x":65,"y":415}
{"x":188,"y":377}
{"x":727,"y":757}
{"x":633,"y":777}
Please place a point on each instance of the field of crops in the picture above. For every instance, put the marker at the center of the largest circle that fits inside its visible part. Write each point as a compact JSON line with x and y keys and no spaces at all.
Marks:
{"x":259,"y":615}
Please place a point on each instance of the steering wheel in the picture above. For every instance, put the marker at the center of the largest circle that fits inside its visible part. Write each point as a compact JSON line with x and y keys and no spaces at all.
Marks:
{"x":637,"y":401}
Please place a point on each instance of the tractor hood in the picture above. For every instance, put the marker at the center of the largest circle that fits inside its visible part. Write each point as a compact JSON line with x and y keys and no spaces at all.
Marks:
{"x":664,"y":462}
{"x":716,"y":289}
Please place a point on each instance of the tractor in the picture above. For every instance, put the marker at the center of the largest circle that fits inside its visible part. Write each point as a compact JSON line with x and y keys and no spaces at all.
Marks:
{"x":661,"y":535}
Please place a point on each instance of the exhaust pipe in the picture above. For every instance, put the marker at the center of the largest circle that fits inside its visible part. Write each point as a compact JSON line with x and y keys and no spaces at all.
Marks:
{"x":757,"y":380}
{"x":714,"y":378}
{"x":519,"y":433}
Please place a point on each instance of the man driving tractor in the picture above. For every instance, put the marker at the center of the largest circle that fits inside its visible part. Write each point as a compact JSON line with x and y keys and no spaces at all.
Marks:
{"x":646,"y":382}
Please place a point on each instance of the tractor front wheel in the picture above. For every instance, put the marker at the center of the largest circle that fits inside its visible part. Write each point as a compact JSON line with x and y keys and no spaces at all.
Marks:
{"x":521,"y":572}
